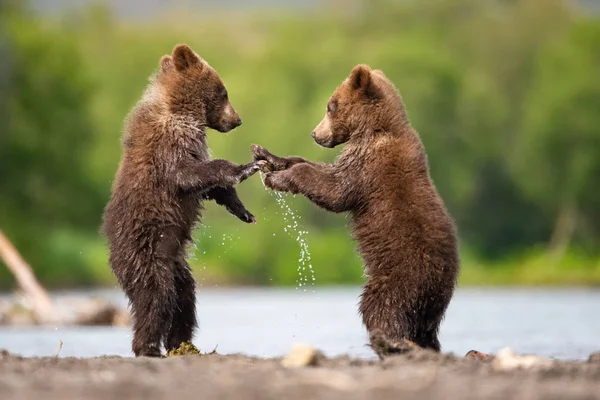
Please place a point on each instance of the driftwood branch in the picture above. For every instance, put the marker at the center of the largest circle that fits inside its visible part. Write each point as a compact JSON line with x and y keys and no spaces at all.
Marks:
{"x":43,"y":309}
{"x":41,"y":301}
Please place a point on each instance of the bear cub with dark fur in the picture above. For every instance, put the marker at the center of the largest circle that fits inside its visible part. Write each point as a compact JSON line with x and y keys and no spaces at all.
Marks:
{"x":165,"y":174}
{"x":405,"y":235}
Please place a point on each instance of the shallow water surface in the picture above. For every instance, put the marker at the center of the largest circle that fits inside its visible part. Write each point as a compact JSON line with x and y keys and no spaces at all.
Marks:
{"x":562,"y":324}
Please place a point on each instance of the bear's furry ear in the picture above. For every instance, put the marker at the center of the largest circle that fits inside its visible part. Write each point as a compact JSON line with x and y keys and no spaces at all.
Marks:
{"x":166,"y":63}
{"x":379,"y":72}
{"x":360,"y":79}
{"x":184,"y":57}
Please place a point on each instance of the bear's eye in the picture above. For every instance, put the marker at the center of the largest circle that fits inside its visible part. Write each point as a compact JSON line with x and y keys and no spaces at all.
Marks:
{"x":224,"y":94}
{"x":331,"y":106}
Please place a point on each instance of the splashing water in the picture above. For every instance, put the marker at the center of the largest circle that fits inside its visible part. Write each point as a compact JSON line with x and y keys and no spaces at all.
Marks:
{"x":292,"y":226}
{"x":227,"y":239}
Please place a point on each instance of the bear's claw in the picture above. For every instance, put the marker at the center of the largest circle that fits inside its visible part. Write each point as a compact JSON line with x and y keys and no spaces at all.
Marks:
{"x":248,"y":218}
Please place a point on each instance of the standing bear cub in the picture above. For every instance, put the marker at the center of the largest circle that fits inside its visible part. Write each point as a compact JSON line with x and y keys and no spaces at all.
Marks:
{"x":405,"y":235}
{"x":164,"y":176}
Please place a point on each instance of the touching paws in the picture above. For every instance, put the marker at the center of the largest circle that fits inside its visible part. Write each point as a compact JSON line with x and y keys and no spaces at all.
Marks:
{"x":250,"y":169}
{"x":272,"y":181}
{"x":259,"y":153}
{"x":279,"y":181}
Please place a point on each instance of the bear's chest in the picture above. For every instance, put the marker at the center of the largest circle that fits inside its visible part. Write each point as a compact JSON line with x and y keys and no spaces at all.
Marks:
{"x":197,"y":148}
{"x":200,"y":154}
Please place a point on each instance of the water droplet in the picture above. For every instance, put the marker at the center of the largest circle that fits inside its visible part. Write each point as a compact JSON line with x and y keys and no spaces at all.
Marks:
{"x":290,"y":220}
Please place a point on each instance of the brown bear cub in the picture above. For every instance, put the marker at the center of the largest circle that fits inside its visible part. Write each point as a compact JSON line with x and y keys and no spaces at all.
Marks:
{"x":164,"y":176}
{"x":405,"y":235}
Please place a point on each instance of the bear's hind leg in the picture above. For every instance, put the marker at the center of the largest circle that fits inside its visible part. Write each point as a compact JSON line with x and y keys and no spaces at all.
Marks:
{"x":152,"y":302}
{"x":429,"y":340}
{"x":382,"y":316}
{"x":426,"y":322}
{"x":184,"y":316}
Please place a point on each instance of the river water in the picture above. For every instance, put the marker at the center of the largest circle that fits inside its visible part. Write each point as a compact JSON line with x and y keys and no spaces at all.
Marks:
{"x":562,"y":324}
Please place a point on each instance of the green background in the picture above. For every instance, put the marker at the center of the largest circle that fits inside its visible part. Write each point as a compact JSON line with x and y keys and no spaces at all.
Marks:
{"x":505,"y":94}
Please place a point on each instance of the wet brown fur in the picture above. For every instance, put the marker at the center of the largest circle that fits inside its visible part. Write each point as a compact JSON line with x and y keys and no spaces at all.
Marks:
{"x":164,"y":176}
{"x":405,"y":235}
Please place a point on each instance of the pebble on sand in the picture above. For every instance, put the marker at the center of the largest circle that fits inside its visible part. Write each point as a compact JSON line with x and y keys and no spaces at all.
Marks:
{"x":594,"y":357}
{"x":507,"y":360}
{"x":301,"y":355}
{"x":477,"y":355}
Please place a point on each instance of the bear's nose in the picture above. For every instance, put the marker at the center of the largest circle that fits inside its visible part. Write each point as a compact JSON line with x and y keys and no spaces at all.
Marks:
{"x":313,"y":134}
{"x":239,"y":122}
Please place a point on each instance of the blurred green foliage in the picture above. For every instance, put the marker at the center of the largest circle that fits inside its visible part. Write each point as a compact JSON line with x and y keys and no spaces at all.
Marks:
{"x":505,"y":94}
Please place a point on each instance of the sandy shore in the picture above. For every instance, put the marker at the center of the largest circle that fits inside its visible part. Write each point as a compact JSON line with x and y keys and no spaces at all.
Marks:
{"x":418,"y":375}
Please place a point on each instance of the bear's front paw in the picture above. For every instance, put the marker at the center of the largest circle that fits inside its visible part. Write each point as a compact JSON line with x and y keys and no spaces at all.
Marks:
{"x":250,"y":169}
{"x":276,"y":181}
{"x":243,"y":215}
{"x":270,"y":180}
{"x":247,"y":217}
{"x":259,"y":153}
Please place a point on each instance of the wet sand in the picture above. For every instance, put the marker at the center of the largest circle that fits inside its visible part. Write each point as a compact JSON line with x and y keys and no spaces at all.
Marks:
{"x":418,"y":375}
